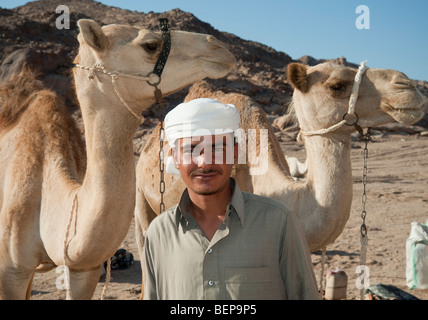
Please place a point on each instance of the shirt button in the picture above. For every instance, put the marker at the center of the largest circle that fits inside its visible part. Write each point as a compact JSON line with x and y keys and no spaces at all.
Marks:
{"x":210,"y":250}
{"x":210,"y":282}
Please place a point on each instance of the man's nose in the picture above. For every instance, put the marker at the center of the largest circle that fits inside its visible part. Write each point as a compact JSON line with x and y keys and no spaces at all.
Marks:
{"x":204,"y":158}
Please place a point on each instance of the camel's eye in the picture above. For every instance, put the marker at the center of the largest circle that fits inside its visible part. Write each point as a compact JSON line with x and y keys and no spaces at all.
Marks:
{"x":150,"y":47}
{"x":338,"y":87}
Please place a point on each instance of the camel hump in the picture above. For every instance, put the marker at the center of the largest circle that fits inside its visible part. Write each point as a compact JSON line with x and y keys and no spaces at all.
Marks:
{"x":16,"y":94}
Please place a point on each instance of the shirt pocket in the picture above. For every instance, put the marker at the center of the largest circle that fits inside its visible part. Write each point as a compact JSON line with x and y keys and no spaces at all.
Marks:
{"x":248,"y":283}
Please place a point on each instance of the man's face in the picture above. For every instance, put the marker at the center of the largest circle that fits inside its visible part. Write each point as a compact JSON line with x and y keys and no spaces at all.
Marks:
{"x":205,"y":162}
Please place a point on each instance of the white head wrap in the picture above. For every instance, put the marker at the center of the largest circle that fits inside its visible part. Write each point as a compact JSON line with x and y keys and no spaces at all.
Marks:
{"x":199,"y":117}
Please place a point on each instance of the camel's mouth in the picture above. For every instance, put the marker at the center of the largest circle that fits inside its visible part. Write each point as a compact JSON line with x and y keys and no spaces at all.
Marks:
{"x":227,"y":65}
{"x":220,"y":61}
{"x":219,"y":69}
{"x":406,"y":115}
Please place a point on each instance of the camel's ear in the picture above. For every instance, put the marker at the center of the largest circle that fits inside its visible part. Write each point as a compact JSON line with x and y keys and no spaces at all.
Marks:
{"x":92,"y":34}
{"x":297,"y":76}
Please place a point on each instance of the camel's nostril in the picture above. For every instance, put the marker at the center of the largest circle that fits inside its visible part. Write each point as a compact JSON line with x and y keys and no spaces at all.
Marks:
{"x":402,"y":83}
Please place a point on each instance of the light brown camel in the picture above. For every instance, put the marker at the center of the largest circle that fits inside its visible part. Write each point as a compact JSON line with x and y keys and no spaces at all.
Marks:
{"x":323,"y":201}
{"x":43,"y":163}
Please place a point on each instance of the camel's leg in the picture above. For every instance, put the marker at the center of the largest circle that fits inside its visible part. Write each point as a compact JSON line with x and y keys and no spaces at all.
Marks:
{"x":83,"y":283}
{"x":15,"y":283}
{"x":143,"y":216}
{"x":19,"y":248}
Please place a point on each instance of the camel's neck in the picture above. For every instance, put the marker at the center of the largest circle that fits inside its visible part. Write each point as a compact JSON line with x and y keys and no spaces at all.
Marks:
{"x":106,"y":197}
{"x":110,"y":167}
{"x":327,"y":195}
{"x":329,"y":169}
{"x":323,"y":201}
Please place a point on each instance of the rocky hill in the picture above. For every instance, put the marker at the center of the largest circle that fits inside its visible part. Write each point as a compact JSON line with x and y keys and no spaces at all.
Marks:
{"x":28,"y":33}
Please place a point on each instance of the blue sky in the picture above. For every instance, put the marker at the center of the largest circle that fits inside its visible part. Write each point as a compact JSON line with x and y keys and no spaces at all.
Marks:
{"x":397,"y":38}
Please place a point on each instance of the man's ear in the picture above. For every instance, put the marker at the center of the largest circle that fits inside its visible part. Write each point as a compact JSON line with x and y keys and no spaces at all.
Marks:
{"x":297,"y":76}
{"x":92,"y":34}
{"x":175,"y":158}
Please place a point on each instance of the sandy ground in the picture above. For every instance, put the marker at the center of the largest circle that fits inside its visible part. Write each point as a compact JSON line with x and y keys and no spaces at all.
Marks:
{"x":397,"y":194}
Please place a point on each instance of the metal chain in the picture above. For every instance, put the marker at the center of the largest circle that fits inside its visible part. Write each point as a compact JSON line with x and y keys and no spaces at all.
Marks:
{"x":366,"y":139}
{"x":363,"y":229}
{"x":159,"y":98}
{"x":161,"y":164}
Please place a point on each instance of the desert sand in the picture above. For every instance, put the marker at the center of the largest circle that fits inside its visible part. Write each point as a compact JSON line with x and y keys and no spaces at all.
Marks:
{"x":397,"y":195}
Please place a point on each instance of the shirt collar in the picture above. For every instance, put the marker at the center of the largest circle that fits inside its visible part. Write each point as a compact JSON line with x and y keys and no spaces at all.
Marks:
{"x":236,"y":203}
{"x":237,"y":200}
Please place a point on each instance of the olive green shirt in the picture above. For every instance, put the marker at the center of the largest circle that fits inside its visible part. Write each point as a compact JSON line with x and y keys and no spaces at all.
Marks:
{"x":259,"y":252}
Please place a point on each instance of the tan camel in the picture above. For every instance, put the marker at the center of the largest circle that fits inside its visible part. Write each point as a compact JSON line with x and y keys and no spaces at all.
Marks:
{"x":43,"y":163}
{"x":323,"y":201}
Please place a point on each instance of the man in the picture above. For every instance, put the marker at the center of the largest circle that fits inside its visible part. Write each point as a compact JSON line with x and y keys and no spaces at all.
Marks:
{"x":219,"y":242}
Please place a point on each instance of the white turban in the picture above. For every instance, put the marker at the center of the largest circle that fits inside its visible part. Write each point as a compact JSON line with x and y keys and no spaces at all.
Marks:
{"x":199,"y":117}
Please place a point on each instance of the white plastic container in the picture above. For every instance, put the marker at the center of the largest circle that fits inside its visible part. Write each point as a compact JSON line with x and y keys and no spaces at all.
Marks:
{"x":336,"y":285}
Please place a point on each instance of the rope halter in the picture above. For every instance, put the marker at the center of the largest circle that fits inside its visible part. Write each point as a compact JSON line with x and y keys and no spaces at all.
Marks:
{"x":350,"y":118}
{"x":114,"y":75}
{"x":155,"y":74}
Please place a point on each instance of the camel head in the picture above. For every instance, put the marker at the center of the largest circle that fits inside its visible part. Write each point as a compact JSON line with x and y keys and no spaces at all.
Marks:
{"x":132,"y":50}
{"x":322,"y":93}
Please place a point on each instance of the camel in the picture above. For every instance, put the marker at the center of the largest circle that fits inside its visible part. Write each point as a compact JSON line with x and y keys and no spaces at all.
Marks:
{"x":322,"y":201}
{"x":64,"y":205}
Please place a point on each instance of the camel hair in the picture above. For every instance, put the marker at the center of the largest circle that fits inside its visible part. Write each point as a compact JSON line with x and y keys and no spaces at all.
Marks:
{"x":50,"y":185}
{"x":322,"y":201}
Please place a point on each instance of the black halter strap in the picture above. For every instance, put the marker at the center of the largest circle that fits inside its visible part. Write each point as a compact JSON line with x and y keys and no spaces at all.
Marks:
{"x":163,"y":56}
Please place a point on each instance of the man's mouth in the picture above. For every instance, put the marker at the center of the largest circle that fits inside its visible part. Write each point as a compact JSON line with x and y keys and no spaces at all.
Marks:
{"x":204,"y":174}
